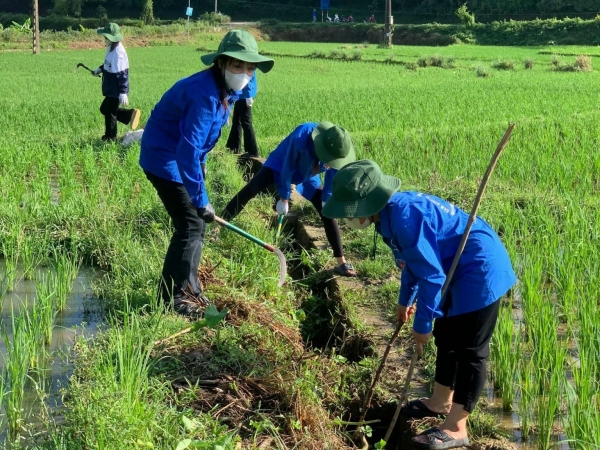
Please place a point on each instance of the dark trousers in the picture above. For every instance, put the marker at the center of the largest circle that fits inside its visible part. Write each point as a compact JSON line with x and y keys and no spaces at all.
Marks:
{"x":112,"y":113}
{"x":462,"y":350}
{"x":180,"y":269}
{"x":261,"y":182}
{"x":242,"y":120}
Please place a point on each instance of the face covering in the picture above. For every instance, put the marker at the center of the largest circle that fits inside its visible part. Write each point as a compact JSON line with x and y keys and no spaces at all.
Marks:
{"x":356,"y":225}
{"x":107,"y":42}
{"x":236,"y":81}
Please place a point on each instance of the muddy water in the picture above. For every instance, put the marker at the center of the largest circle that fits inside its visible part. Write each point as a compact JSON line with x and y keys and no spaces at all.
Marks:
{"x":81,"y":317}
{"x":509,"y":422}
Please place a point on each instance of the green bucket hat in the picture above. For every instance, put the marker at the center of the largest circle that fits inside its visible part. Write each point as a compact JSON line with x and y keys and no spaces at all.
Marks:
{"x":240,"y":44}
{"x":112,"y":32}
{"x":333,"y":145}
{"x":360,"y":189}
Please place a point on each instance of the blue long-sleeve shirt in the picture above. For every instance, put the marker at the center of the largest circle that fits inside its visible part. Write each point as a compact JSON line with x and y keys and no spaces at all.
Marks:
{"x":183,"y":127}
{"x":424,"y":233}
{"x":293,"y":163}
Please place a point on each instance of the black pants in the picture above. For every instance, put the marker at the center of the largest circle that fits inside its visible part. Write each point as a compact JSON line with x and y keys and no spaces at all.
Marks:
{"x":112,"y":113}
{"x":462,"y":350}
{"x":242,"y":120}
{"x":261,"y":182}
{"x":180,"y":269}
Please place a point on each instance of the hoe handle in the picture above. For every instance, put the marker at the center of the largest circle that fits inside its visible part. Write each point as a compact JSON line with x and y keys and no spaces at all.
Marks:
{"x":241,"y":232}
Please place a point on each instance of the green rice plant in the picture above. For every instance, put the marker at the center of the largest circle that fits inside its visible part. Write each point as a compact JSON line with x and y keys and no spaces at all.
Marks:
{"x":549,"y":401}
{"x":30,"y":257}
{"x":43,"y":307}
{"x":526,"y":396}
{"x":11,"y":259}
{"x":505,"y":356}
{"x":18,"y":349}
{"x":66,"y":268}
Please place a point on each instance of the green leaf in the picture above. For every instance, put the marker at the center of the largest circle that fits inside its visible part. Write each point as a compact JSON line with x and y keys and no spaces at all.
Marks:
{"x":184,"y":444}
{"x":188,"y":424}
{"x":380,"y":445}
{"x":212,"y":316}
{"x":300,"y":315}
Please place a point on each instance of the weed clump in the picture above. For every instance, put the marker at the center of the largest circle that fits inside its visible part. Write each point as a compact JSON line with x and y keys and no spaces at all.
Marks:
{"x":482,"y":71}
{"x":504,"y":65}
{"x":528,"y":64}
{"x":436,"y":61}
{"x":583,"y":63}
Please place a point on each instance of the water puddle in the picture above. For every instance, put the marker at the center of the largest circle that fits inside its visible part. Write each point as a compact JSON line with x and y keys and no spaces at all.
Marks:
{"x":80,"y":317}
{"x":509,"y":423}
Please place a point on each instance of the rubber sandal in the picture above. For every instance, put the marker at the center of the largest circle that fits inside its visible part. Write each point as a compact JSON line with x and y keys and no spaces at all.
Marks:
{"x":439,"y":440}
{"x":416,"y":409}
{"x":344,"y":270}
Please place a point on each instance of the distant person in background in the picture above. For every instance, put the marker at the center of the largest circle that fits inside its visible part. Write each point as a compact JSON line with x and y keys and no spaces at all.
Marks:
{"x":242,"y":121}
{"x":115,"y":84}
{"x":314,"y":15}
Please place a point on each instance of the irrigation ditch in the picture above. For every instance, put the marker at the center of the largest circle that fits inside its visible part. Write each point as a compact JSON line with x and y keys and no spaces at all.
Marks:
{"x":335,"y":326}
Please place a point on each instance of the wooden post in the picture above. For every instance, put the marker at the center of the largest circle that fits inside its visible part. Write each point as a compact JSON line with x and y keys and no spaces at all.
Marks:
{"x":36,"y":28}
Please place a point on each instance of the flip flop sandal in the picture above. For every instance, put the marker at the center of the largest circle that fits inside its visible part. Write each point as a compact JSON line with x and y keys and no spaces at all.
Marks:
{"x":344,"y":270}
{"x":416,"y":409}
{"x":439,"y":440}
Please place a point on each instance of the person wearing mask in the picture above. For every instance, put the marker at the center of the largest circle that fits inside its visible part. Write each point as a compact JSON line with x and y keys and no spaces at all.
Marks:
{"x":242,"y":122}
{"x":299,"y":159}
{"x":182,"y":129}
{"x":424,"y":233}
{"x":115,"y":84}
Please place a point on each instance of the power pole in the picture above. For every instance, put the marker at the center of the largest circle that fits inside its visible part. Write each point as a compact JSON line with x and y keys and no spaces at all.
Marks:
{"x":389,"y":21}
{"x":36,"y":28}
{"x":215,"y":6}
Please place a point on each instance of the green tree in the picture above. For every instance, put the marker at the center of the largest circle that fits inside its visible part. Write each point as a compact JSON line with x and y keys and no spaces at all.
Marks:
{"x":147,"y":15}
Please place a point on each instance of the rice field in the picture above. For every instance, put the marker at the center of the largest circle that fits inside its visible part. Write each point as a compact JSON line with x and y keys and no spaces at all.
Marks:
{"x":66,"y":200}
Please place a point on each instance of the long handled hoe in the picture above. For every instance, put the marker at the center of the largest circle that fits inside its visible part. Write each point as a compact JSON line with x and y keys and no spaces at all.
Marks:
{"x":367,"y":402}
{"x":279,"y":253}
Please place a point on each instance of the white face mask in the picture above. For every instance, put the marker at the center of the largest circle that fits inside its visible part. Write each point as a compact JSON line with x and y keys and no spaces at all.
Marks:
{"x":356,"y":225}
{"x":236,"y":81}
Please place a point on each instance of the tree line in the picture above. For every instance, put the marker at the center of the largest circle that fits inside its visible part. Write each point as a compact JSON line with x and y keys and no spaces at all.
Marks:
{"x":422,"y":11}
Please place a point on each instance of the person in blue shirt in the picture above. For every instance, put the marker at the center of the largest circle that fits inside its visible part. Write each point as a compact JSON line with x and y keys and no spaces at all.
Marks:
{"x":299,"y":159}
{"x":241,"y":121}
{"x":424,"y":232}
{"x":115,"y":83}
{"x":314,"y":15}
{"x":182,"y":129}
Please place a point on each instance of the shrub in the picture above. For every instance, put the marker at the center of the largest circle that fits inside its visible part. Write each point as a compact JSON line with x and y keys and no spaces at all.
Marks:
{"x":528,"y":63}
{"x":504,"y":65}
{"x":214,"y":18}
